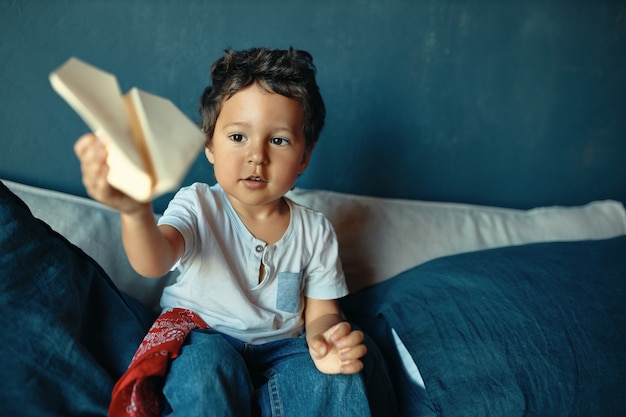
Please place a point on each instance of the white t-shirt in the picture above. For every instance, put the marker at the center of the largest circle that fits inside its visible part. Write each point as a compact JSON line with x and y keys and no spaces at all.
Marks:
{"x":221,"y":264}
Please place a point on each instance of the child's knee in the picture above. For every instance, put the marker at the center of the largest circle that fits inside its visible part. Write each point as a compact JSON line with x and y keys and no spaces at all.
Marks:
{"x":298,"y":387}
{"x":208,"y":374}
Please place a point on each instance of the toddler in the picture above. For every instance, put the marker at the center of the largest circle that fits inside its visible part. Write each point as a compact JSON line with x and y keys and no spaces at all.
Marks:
{"x":260,"y":270}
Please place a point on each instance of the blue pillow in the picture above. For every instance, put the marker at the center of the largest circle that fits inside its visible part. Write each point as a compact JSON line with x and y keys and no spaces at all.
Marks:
{"x":527,"y":330}
{"x":67,"y":332}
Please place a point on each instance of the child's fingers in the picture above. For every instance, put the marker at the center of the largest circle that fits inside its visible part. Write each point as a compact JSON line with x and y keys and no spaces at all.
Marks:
{"x":353,"y":353}
{"x":92,"y":155}
{"x":351,"y":359}
{"x":351,"y":339}
{"x":84,"y":143}
{"x":81,"y":144}
{"x":94,"y":172}
{"x":351,"y":367}
{"x":318,"y":347}
{"x":339,"y":331}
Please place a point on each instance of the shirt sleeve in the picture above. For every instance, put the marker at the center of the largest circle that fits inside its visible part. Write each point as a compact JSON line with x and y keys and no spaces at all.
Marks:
{"x":181,"y":214}
{"x":324,"y":277}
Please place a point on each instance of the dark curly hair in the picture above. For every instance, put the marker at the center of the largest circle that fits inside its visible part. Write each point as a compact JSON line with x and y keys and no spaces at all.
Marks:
{"x":290,"y":73}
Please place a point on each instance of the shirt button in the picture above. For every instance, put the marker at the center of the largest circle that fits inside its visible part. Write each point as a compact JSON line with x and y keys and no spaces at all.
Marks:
{"x":259,"y":248}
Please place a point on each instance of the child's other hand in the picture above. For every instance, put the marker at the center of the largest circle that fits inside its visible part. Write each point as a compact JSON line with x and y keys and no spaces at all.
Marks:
{"x":338,"y":350}
{"x":92,"y":154}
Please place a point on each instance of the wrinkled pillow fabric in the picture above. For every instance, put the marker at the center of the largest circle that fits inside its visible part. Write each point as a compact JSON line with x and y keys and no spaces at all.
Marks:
{"x":94,"y":228}
{"x":67,"y":332}
{"x":534,"y":330}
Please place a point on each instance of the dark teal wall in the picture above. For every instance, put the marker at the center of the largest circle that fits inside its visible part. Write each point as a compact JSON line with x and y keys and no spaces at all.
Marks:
{"x":512,"y":103}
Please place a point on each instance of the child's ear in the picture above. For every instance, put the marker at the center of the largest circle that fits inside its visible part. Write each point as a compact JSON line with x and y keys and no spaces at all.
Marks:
{"x":208,"y":151}
{"x":306,"y":158}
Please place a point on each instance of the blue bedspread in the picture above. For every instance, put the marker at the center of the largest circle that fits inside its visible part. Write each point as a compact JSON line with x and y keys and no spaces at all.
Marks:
{"x":67,"y":333}
{"x":536,"y":330}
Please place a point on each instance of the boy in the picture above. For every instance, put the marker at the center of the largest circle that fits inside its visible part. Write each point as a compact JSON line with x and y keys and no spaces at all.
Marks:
{"x":260,"y":270}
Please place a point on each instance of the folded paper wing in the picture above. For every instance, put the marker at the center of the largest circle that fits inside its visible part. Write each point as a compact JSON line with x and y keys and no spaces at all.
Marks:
{"x":171,"y":141}
{"x":150,"y":143}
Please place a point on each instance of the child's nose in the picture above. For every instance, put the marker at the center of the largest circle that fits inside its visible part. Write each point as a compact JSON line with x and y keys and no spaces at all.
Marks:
{"x":257,"y":154}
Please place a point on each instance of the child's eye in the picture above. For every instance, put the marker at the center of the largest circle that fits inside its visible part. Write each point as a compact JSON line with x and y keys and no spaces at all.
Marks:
{"x":279,"y":141}
{"x":237,"y":137}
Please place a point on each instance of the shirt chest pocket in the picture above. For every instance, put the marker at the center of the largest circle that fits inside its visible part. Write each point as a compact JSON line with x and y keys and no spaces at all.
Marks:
{"x":289,"y":292}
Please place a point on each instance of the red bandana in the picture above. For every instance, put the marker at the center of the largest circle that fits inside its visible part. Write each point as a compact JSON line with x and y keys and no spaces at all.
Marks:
{"x":138,"y":391}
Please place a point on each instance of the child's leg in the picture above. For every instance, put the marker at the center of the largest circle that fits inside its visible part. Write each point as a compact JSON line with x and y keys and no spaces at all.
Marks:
{"x":208,"y":378}
{"x":296,"y":388}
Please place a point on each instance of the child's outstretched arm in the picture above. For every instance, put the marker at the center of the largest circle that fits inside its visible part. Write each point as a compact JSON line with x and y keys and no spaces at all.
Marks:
{"x":333,"y":345}
{"x":152,"y":250}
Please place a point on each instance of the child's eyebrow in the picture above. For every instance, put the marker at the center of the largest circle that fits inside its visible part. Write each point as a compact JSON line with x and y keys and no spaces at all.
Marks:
{"x":244,"y":125}
{"x":236,"y":125}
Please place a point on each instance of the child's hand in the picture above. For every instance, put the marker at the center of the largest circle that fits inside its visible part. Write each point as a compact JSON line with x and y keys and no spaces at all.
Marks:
{"x":92,"y":155}
{"x":338,"y":350}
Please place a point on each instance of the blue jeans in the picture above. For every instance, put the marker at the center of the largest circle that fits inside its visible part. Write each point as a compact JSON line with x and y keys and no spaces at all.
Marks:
{"x":217,"y":375}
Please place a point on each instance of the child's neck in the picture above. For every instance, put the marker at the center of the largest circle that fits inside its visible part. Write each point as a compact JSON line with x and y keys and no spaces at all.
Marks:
{"x":267,"y":223}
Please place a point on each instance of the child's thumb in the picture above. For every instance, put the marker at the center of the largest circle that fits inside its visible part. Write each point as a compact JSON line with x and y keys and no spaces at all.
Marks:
{"x":318,"y":347}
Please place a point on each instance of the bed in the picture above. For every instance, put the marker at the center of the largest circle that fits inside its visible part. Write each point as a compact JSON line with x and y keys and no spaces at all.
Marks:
{"x":472,"y":164}
{"x":478,"y":310}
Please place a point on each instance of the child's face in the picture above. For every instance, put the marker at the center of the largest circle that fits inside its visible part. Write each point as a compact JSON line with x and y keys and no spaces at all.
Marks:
{"x":258,"y":147}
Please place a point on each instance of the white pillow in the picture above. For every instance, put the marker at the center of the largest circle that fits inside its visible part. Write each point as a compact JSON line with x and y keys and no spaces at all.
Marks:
{"x":380,"y":238}
{"x":95,"y":229}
